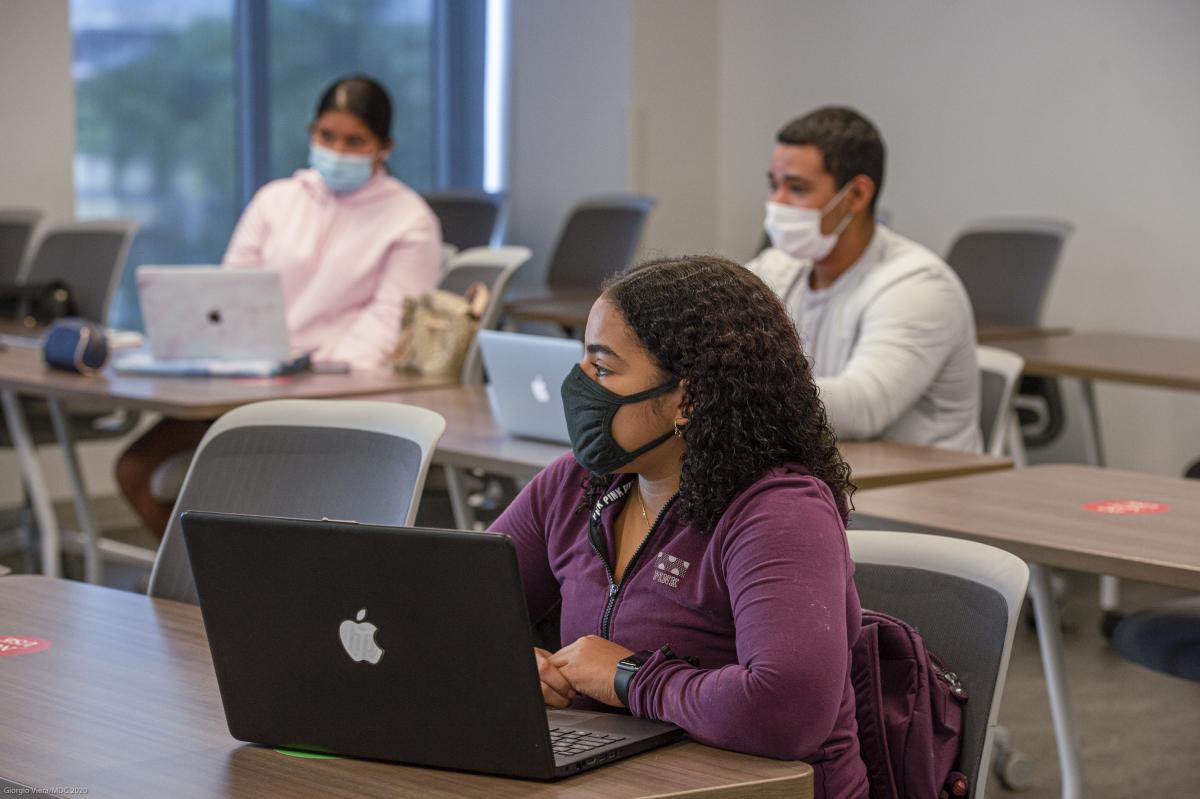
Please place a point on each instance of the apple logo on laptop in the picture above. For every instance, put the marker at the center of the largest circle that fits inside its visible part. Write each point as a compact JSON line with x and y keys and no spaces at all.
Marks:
{"x":541,"y":392}
{"x":359,"y":639}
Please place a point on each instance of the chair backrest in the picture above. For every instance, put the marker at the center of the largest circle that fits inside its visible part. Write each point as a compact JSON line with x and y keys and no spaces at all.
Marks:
{"x":1006,"y":267}
{"x":999,"y":373}
{"x":494,"y":267}
{"x":89,"y":257}
{"x":305,"y":459}
{"x":964,"y":598}
{"x":469,"y":218}
{"x":598,"y":239}
{"x":16,"y":231}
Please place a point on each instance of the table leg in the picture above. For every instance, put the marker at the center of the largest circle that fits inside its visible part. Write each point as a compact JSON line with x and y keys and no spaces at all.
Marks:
{"x":1045,"y":611}
{"x":1110,"y":587}
{"x":83,"y":507}
{"x":35,"y":481}
{"x":463,"y":518}
{"x":1093,"y":443}
{"x":1016,"y":444}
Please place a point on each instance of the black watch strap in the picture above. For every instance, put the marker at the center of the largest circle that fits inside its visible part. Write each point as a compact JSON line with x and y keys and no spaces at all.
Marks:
{"x":629,"y":666}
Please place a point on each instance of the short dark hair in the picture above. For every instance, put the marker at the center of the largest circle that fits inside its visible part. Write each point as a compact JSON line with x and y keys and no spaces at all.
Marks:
{"x":748,"y":395}
{"x":849,"y":143}
{"x":363,"y":97}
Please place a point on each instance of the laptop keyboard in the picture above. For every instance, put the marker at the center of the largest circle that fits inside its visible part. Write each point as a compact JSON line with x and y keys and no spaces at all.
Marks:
{"x":566,"y":742}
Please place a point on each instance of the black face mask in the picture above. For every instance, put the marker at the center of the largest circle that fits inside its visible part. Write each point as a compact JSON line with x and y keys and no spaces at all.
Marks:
{"x":590,"y":408}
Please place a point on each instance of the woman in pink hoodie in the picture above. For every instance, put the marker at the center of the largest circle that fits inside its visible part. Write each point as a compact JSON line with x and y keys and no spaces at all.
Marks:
{"x":350,"y":243}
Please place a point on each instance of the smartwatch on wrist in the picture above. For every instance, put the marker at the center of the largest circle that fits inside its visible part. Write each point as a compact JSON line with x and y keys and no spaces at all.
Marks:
{"x":629,"y":666}
{"x":626,"y":668}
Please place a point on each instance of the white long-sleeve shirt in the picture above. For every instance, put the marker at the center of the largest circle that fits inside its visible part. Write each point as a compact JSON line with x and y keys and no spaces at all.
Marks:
{"x":891,"y":343}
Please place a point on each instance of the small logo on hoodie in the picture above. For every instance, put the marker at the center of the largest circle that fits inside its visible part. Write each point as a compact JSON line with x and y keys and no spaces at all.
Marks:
{"x":669,"y":570}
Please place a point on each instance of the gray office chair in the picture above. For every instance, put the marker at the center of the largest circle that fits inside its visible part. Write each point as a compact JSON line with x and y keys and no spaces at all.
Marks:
{"x":964,"y":597}
{"x":89,"y":257}
{"x":306,"y":459}
{"x":999,"y":372}
{"x":1165,"y":638}
{"x":598,"y":240}
{"x":1006,"y":267}
{"x":17,"y":226}
{"x":494,"y":267}
{"x":469,"y":218}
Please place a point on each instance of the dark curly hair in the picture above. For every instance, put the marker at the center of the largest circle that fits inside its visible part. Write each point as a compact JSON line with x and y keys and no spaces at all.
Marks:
{"x":749,"y":395}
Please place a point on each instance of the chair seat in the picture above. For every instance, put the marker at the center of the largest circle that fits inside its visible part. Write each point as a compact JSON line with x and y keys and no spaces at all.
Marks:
{"x":1165,"y":638}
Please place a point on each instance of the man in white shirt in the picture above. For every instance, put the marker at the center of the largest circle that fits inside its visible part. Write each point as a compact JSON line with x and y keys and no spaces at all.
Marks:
{"x":885,"y":322}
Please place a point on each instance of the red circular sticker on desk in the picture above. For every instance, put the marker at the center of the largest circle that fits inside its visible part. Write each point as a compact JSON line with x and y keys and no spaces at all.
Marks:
{"x":20,"y":645}
{"x":1126,"y":507}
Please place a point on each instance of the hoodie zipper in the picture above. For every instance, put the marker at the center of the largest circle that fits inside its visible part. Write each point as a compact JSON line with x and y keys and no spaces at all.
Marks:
{"x":614,"y":587}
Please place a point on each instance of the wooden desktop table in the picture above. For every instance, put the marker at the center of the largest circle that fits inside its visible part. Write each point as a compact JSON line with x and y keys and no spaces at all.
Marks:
{"x":1129,"y":358}
{"x":995,"y":332}
{"x":1104,"y":521}
{"x":124,"y":702}
{"x":474,"y":439}
{"x":568,"y":309}
{"x":22,"y":373}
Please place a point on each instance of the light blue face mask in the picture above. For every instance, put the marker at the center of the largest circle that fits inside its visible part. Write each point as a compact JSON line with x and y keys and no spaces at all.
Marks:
{"x":341,"y":172}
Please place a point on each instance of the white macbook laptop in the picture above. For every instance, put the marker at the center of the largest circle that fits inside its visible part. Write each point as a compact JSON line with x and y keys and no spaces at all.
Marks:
{"x":205,"y":320}
{"x":210,"y":312}
{"x":525,"y":376}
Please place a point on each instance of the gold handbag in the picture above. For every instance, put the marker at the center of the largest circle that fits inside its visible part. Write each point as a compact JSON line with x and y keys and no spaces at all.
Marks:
{"x":437,"y":331}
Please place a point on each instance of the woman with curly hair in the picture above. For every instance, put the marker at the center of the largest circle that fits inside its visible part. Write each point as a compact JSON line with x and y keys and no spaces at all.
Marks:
{"x":695,"y":543}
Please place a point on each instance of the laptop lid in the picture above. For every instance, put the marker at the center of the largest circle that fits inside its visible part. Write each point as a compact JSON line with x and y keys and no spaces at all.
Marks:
{"x":526,"y":375}
{"x":382,"y":642}
{"x":209,"y":312}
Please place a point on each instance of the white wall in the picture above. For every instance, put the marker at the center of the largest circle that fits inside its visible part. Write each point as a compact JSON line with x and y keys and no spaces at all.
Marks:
{"x":674,"y":134}
{"x":1087,"y":110}
{"x":619,"y":95}
{"x":569,"y":118}
{"x":38,"y":98}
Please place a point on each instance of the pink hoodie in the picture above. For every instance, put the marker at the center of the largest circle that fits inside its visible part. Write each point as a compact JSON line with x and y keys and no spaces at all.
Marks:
{"x":347,"y":261}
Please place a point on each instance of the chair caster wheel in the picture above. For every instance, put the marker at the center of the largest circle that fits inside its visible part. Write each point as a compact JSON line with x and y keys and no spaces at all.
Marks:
{"x":1014,"y":769}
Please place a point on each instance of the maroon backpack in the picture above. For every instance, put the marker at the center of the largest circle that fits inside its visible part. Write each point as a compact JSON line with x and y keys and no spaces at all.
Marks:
{"x":909,"y":712}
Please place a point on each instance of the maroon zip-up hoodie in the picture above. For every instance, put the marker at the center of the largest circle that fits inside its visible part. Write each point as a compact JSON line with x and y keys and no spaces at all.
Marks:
{"x":766,"y":601}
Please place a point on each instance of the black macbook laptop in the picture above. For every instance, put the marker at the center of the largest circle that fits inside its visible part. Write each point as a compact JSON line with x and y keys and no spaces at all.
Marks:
{"x":388,"y":643}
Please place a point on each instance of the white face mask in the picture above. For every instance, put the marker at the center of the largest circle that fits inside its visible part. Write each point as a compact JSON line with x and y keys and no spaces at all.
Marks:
{"x":797,"y":231}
